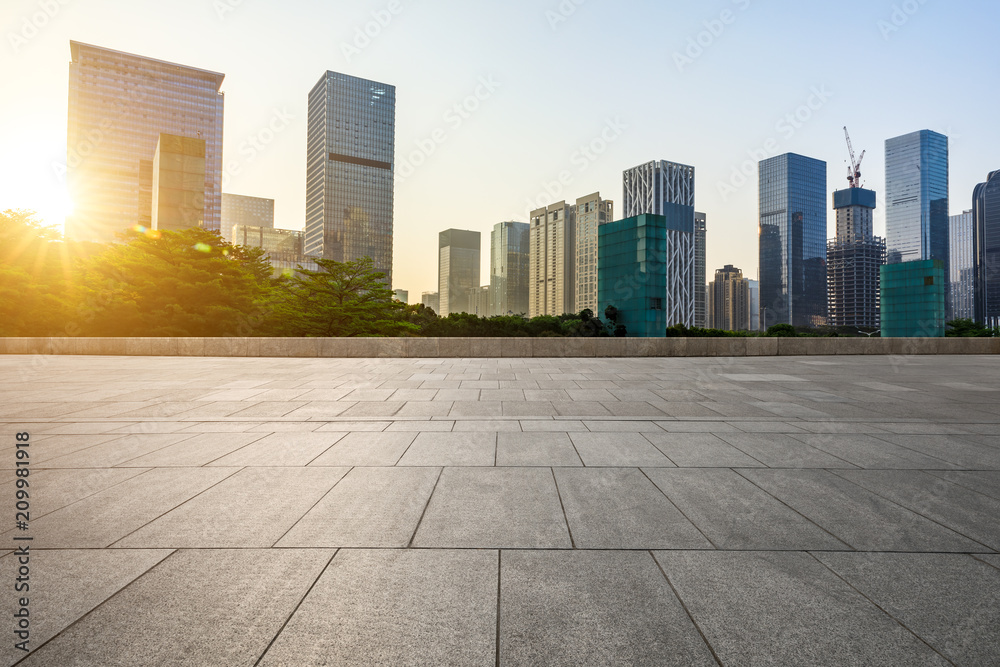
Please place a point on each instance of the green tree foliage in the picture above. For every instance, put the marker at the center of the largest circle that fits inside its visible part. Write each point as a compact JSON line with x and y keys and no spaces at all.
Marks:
{"x":968,"y":328}
{"x":341,"y":299}
{"x":781,"y":331}
{"x":173,"y":283}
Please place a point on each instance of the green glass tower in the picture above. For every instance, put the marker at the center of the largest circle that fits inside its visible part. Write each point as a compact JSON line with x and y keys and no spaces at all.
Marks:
{"x":913,"y":299}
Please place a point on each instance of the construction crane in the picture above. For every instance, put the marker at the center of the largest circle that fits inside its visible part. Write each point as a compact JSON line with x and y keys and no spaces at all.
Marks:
{"x":854,"y":170}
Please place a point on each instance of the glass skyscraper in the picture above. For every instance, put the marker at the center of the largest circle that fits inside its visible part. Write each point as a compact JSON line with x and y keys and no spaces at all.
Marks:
{"x":509,"y":275}
{"x":792,"y":237}
{"x":986,"y":237}
{"x":916,"y":193}
{"x":700,"y":307}
{"x":458,"y":271}
{"x":349,"y":170}
{"x":119,"y":105}
{"x":962,"y":281}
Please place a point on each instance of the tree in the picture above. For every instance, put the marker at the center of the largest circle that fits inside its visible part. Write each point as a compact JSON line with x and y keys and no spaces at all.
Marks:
{"x":781,"y":330}
{"x":614,"y":328}
{"x":968,"y":328}
{"x":341,"y":299}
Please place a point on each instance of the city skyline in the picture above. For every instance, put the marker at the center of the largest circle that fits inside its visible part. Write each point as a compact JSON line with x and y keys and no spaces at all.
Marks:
{"x":469,"y":123}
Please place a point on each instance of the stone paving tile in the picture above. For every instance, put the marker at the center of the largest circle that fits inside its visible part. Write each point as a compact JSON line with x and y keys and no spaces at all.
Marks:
{"x":196,"y":450}
{"x":868,"y":451}
{"x":285,"y":427}
{"x":953,"y":449}
{"x":425,"y":409}
{"x":859,"y":518}
{"x":252,"y":508}
{"x":735,"y":514}
{"x":47,"y":447}
{"x":700,"y":450}
{"x":486,"y":425}
{"x":105,"y":517}
{"x":619,"y":508}
{"x":58,"y":487}
{"x":966,"y":512}
{"x":984,"y":482}
{"x":537,"y":448}
{"x":489,"y":508}
{"x":280,"y":449}
{"x":553,"y":425}
{"x":120,"y":450}
{"x":528,"y":409}
{"x":218,"y":427}
{"x":466,"y":408}
{"x":213,"y":607}
{"x":777,"y":450}
{"x":579,"y":409}
{"x":592,"y":608}
{"x":417,"y":426}
{"x":949,"y":601}
{"x":618,"y":449}
{"x":373,"y":409}
{"x":786,"y":609}
{"x":686,"y":426}
{"x":396,"y":607}
{"x":369,"y":507}
{"x":320,"y":410}
{"x":344,"y":425}
{"x":366,"y":449}
{"x":766,"y":427}
{"x":66,"y":584}
{"x":451,"y":449}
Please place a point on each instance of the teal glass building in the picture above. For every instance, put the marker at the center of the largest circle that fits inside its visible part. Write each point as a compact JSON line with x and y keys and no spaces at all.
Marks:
{"x":913,"y":299}
{"x":645,"y":268}
{"x":916,"y":196}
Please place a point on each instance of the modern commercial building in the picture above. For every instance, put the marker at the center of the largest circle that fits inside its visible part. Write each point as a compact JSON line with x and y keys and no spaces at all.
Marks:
{"x":700,"y":292}
{"x":916,"y":190}
{"x":551,"y":275}
{"x":986,"y":236}
{"x":349,"y":170}
{"x":483,"y":306}
{"x":913,"y":299}
{"x":853,"y":261}
{"x":645,"y":270}
{"x":792,"y":237}
{"x":510,"y":250}
{"x":458,"y":271}
{"x":430,"y":300}
{"x":962,"y":267}
{"x":591,"y":212}
{"x":247,"y":211}
{"x":401,"y":295}
{"x":119,"y":105}
{"x":729,"y":300}
{"x":650,"y":187}
{"x":178,"y":186}
{"x":753,"y":287}
{"x":283,"y":246}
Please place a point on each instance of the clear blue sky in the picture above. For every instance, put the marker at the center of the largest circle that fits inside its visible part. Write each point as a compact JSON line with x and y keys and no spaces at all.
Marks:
{"x":561,"y":73}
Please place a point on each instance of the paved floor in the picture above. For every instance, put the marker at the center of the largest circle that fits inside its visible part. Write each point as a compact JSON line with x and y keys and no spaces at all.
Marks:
{"x":229,"y":511}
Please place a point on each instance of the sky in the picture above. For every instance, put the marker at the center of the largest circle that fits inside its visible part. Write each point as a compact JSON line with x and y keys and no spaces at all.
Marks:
{"x":503,"y":107}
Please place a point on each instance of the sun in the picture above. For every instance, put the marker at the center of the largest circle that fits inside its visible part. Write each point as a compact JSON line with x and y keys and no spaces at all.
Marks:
{"x":54,"y":209}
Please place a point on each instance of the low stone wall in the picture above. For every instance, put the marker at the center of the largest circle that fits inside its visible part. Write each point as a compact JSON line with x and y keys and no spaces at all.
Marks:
{"x":495,"y":347}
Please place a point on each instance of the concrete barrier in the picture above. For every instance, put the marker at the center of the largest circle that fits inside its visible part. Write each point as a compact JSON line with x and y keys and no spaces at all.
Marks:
{"x":495,"y":347}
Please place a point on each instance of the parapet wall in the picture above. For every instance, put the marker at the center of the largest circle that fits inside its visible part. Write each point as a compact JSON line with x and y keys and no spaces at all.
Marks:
{"x":495,"y":347}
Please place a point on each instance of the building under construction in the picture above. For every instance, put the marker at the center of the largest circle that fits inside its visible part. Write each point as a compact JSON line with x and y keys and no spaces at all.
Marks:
{"x":854,"y":258}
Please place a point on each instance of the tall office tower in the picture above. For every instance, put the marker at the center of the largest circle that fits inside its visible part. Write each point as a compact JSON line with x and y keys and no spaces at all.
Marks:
{"x":962,"y":279}
{"x":700,"y":306}
{"x":645,"y":266}
{"x":551,"y":277}
{"x":401,"y":295}
{"x":913,"y":299}
{"x":247,"y":211}
{"x":591,"y":211}
{"x":119,"y":105}
{"x":986,"y":237}
{"x":283,"y":247}
{"x":853,"y":260}
{"x":753,"y":286}
{"x":650,"y":186}
{"x":178,"y":187}
{"x":792,"y":240}
{"x":431,"y":300}
{"x":349,"y":170}
{"x":482,"y":299}
{"x":729,"y":300}
{"x":458,"y":271}
{"x":510,"y":249}
{"x":916,"y":190}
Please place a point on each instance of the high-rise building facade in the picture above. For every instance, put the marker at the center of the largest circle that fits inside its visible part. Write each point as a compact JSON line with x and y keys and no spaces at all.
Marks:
{"x":853,"y":261}
{"x":913,"y":299}
{"x":401,"y":295}
{"x":753,"y":287}
{"x":551,"y":275}
{"x":510,"y":250}
{"x":458,"y":271}
{"x":700,"y":293}
{"x":962,"y":267}
{"x":986,"y":237}
{"x":649,"y":187}
{"x":247,"y":211}
{"x":591,"y":212}
{"x":283,"y":246}
{"x":916,"y":196}
{"x":349,"y":170}
{"x":792,"y":237}
{"x":119,"y":105}
{"x":729,"y":300}
{"x":431,"y":300}
{"x":178,"y":186}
